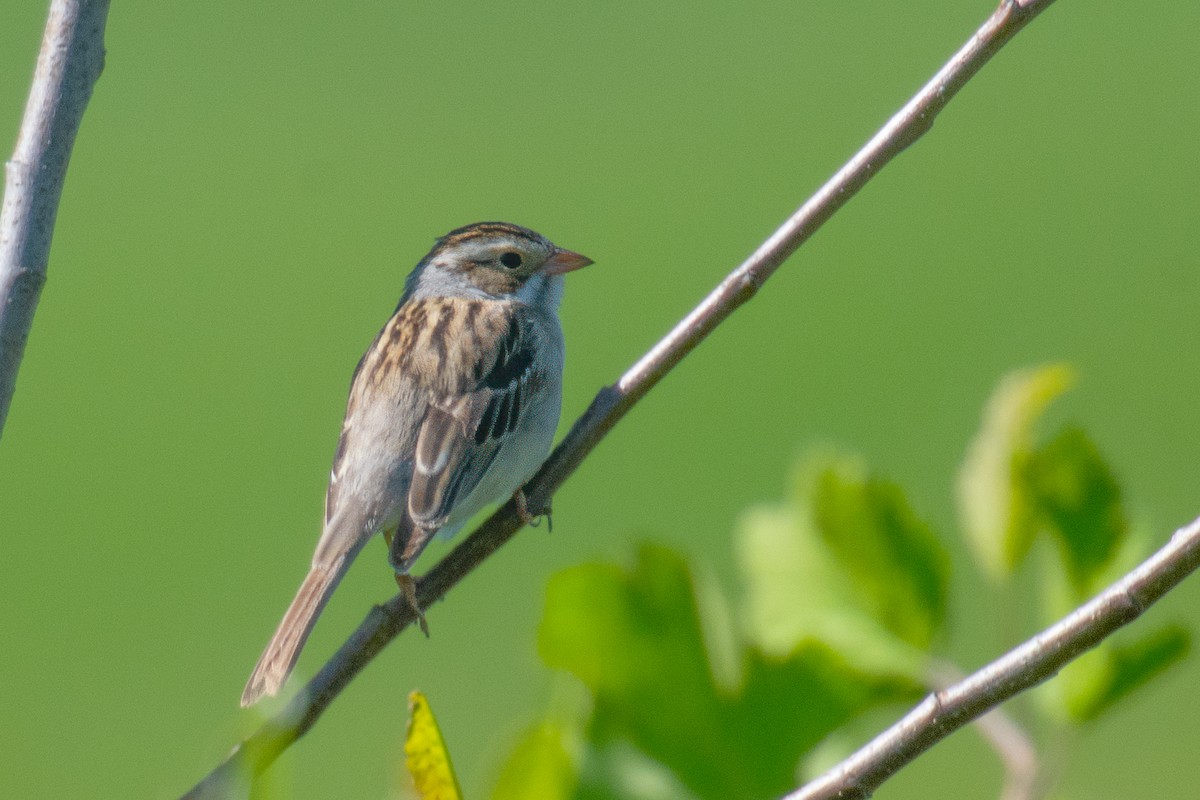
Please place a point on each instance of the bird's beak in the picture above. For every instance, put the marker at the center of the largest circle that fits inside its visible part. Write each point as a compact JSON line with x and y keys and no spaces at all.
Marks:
{"x":565,"y":261}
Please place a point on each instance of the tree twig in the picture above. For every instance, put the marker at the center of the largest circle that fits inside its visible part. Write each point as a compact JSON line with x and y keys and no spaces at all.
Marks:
{"x":1010,"y":742}
{"x":68,"y":66}
{"x":1031,"y":663}
{"x":611,"y":403}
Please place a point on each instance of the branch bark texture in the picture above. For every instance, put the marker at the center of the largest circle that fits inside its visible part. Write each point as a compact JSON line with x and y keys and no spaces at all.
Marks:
{"x":1022,"y":668}
{"x":384,"y":622}
{"x":68,"y":66}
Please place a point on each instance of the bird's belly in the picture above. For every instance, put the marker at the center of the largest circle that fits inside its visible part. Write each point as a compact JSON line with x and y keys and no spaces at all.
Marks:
{"x":516,"y":462}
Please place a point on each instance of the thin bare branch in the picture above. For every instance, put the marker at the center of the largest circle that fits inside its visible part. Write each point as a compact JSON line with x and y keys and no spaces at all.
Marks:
{"x":1010,"y":742}
{"x":611,"y":403}
{"x":68,"y":66}
{"x":1022,"y":668}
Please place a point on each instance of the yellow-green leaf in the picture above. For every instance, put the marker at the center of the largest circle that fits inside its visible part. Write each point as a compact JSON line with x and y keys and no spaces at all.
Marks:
{"x":994,"y":508}
{"x":426,"y":755}
{"x":846,"y":562}
{"x":540,"y":767}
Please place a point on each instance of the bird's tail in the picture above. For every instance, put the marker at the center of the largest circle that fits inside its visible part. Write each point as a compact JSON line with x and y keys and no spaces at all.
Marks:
{"x":280,"y":656}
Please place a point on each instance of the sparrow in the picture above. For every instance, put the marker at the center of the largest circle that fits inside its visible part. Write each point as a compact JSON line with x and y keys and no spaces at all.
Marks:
{"x":452,"y":407}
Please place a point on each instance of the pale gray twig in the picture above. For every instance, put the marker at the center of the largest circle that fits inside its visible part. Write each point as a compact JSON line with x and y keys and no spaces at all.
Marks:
{"x":68,"y":66}
{"x":1016,"y":753}
{"x":612,"y":402}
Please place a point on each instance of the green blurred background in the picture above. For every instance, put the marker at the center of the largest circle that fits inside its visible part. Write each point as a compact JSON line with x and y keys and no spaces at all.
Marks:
{"x":253,"y":181}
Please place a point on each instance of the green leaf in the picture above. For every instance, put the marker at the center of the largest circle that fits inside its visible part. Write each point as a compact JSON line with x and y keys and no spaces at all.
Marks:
{"x":1095,"y":682}
{"x":994,"y":508}
{"x":612,"y":627}
{"x":540,"y":766}
{"x":898,"y":569}
{"x":635,"y":639}
{"x":616,"y":769}
{"x":845,"y":562}
{"x":796,"y":594}
{"x":1079,"y":500}
{"x":789,"y":706}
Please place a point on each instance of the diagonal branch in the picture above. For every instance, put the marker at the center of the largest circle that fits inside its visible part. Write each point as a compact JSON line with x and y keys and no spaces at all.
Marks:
{"x":384,"y":622}
{"x":68,"y":66}
{"x":1022,"y":668}
{"x":1010,"y":743}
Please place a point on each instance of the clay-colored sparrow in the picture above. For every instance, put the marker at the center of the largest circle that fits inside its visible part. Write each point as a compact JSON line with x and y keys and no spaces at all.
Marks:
{"x":453,"y":407}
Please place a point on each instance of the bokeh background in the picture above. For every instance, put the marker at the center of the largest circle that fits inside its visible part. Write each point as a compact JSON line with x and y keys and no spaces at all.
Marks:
{"x":253,"y":181}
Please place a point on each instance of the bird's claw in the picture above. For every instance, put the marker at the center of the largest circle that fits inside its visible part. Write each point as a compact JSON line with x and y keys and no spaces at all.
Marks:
{"x":532,"y":520}
{"x":408,"y":588}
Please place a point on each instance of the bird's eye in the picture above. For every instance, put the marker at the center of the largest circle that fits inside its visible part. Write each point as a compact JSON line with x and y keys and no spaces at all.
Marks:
{"x":511,"y":260}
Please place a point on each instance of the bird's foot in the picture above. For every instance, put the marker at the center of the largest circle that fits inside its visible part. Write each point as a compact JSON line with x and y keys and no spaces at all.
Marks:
{"x":529,"y":519}
{"x":408,"y":588}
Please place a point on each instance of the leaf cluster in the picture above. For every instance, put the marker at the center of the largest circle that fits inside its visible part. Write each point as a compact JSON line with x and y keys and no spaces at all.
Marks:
{"x":675,"y":691}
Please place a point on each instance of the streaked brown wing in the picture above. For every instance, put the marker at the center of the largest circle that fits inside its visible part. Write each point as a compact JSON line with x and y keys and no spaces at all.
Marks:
{"x":463,"y":433}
